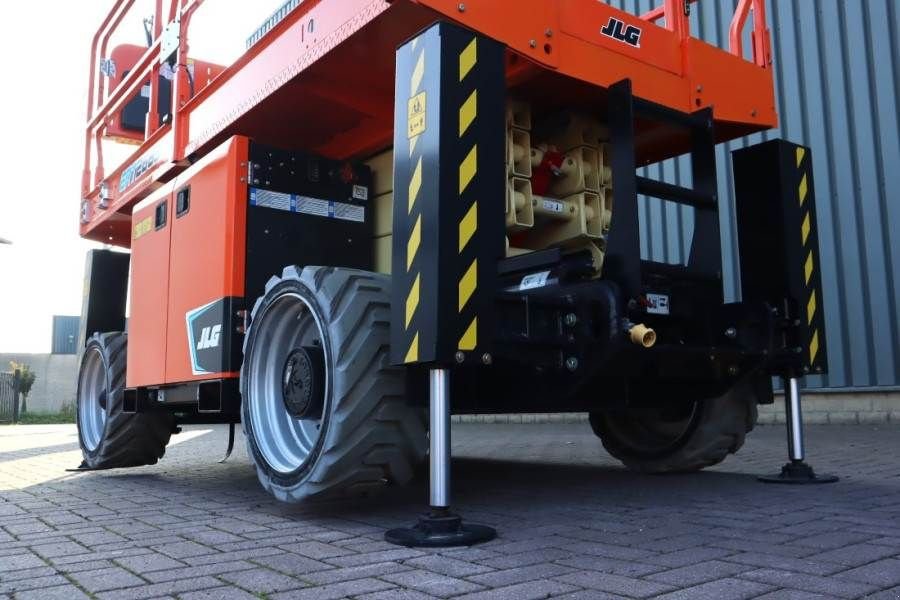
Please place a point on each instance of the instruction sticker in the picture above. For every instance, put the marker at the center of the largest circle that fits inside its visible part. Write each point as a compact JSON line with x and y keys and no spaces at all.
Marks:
{"x":534,"y":281}
{"x":142,"y":227}
{"x":657,"y":304}
{"x":360,"y":192}
{"x":416,"y":115}
{"x":554,"y":205}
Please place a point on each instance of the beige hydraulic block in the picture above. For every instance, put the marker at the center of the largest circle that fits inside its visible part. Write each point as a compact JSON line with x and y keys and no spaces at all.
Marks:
{"x":579,"y":216}
{"x":383,"y":250}
{"x":580,"y":171}
{"x":519,"y":152}
{"x":581,"y":130}
{"x":519,"y":207}
{"x":518,"y":114}
{"x":384,"y":214}
{"x":606,"y":209}
{"x":382,"y":166}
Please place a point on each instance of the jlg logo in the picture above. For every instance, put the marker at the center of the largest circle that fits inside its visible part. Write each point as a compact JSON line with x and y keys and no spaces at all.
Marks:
{"x":209,"y":337}
{"x":617,"y":30}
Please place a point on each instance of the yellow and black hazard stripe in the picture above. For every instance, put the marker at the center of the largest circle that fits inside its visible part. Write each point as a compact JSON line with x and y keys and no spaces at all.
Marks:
{"x":468,"y":199}
{"x":809,"y":253}
{"x":416,"y":125}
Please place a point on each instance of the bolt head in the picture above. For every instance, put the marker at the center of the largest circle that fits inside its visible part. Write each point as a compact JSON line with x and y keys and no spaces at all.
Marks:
{"x":571,"y":319}
{"x":731,"y":333}
{"x":460,"y":357}
{"x":533,"y":43}
{"x":733,"y":370}
{"x":572,"y":363}
{"x":461,"y":7}
{"x":486,"y":358}
{"x":549,"y":32}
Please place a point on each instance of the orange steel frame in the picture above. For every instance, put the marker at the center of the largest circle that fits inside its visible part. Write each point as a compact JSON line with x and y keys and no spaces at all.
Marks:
{"x":322,"y":80}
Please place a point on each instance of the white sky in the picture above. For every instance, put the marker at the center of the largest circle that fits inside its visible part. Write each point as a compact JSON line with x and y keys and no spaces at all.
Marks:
{"x":43,"y":96}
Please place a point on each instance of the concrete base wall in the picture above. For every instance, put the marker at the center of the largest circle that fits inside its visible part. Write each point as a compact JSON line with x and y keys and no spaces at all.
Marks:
{"x":55,"y":381}
{"x":818,"y":409}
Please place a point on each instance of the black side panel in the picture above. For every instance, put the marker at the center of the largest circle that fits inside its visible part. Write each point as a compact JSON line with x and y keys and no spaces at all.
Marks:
{"x":779,"y":245}
{"x":213,"y":336}
{"x":105,"y":290}
{"x":305,"y":210}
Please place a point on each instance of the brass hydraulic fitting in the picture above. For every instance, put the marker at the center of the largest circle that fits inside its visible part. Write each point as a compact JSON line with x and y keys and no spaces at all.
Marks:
{"x":642,"y":335}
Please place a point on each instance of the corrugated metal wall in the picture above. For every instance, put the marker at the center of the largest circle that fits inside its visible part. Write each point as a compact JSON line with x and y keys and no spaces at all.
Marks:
{"x":65,"y":334}
{"x":838,"y":83}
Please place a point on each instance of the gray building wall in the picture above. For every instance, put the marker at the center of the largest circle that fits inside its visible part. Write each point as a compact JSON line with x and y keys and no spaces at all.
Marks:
{"x":55,"y":382}
{"x":837,"y":69}
{"x":65,"y":334}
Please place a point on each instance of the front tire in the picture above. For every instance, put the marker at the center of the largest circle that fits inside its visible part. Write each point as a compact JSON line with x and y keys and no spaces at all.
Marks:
{"x":348,"y":429}
{"x":109,"y":437}
{"x":698,"y":435}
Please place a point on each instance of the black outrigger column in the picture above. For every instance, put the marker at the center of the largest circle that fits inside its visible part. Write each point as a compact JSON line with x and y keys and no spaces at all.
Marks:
{"x":779,"y":249}
{"x":449,"y":232}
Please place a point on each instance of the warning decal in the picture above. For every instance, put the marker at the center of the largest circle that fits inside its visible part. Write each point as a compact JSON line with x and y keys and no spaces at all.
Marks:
{"x":416,"y":115}
{"x":307,"y":205}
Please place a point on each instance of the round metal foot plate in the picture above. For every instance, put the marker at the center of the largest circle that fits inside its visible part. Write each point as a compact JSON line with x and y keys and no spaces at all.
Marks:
{"x":440,"y":531}
{"x":797,"y":473}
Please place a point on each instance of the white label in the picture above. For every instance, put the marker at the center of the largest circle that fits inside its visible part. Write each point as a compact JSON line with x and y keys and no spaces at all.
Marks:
{"x":657,"y":304}
{"x":349,"y":212}
{"x":534,"y":281}
{"x":554,"y":205}
{"x":360,"y":192}
{"x":269,"y":199}
{"x":312,"y":206}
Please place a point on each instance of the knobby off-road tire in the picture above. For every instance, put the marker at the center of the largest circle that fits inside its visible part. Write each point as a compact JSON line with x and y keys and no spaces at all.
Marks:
{"x":367,"y":435}
{"x":109,"y":437}
{"x":711,"y":431}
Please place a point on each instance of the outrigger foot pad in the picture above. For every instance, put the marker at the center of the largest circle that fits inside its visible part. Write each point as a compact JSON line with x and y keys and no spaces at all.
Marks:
{"x":797,"y":472}
{"x":440,"y":529}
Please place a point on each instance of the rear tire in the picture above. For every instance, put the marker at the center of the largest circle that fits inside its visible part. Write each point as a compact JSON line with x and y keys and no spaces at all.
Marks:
{"x":361,"y":434}
{"x":109,"y":437}
{"x":707,"y":432}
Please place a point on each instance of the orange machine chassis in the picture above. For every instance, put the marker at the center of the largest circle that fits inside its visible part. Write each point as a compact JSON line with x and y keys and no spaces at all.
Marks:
{"x":323,"y":78}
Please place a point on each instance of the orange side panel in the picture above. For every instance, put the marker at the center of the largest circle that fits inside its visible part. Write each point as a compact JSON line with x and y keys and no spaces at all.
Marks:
{"x":208,"y":248}
{"x":149,"y":291}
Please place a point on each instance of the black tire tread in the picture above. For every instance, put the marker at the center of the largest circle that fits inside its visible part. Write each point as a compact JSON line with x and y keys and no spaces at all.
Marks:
{"x":721,"y":431}
{"x":129,"y":439}
{"x":374,"y":436}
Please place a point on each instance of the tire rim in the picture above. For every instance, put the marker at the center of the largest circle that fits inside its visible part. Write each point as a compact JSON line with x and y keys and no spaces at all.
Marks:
{"x":91,"y":389}
{"x":286,"y":443}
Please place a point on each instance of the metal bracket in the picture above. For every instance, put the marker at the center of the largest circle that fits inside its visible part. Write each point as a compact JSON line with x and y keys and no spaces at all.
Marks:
{"x":170,"y":40}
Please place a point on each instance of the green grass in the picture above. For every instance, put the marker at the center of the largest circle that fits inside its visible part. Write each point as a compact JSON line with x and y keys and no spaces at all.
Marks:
{"x":67,"y":415}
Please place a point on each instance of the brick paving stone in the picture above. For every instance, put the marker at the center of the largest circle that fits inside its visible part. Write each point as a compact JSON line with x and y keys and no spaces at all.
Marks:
{"x":145,"y":563}
{"x":59,"y":549}
{"x":616,"y":584}
{"x":106,"y":579}
{"x":318,"y":550}
{"x":795,"y":595}
{"x":891,"y":594}
{"x":221,"y":593}
{"x":445,"y":565}
{"x":688,"y":556}
{"x":832,"y":539}
{"x":723,"y":589}
{"x":611,"y":565}
{"x":810,"y":583}
{"x":800,"y":565}
{"x":143,"y":592}
{"x":292,"y":564}
{"x":184,"y":549}
{"x":61,"y":592}
{"x":199,"y":571}
{"x":853,"y":555}
{"x":533,"y":590}
{"x":344,"y":589}
{"x":262,"y":581}
{"x":350,"y":573}
{"x":698,"y":573}
{"x":375,"y":557}
{"x":521,"y":574}
{"x":523,"y":559}
{"x":432,"y":583}
{"x":32,"y":583}
{"x":19,"y":562}
{"x":396,"y":595}
{"x":881,"y":572}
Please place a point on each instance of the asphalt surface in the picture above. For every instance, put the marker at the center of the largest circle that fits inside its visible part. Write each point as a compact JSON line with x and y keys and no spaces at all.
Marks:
{"x":572,"y":522}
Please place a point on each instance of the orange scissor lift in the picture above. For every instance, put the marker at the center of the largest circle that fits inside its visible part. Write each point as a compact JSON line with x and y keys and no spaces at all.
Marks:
{"x":457,"y":183}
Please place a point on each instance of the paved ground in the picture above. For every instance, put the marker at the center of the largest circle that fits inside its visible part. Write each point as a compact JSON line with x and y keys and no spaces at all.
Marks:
{"x":572,"y":524}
